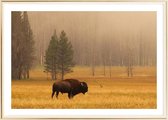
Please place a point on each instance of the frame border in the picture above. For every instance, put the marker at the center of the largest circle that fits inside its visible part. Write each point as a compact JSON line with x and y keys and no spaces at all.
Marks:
{"x":165,"y":36}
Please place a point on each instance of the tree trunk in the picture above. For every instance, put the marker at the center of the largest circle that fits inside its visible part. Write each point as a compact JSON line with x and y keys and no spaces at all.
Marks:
{"x":20,"y":74}
{"x":52,"y":75}
{"x":24,"y":74}
{"x":62,"y":77}
{"x":27,"y":74}
{"x":55,"y":74}
{"x":128,"y":71}
{"x":131,"y":72}
{"x":104,"y":65}
{"x":93,"y":64}
{"x":93,"y":70}
{"x":110,"y":68}
{"x":62,"y":73}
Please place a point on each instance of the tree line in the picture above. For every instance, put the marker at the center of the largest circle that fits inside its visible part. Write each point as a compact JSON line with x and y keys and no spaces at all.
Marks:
{"x":94,"y":44}
{"x":22,"y":46}
{"x":59,"y":56}
{"x":96,"y":36}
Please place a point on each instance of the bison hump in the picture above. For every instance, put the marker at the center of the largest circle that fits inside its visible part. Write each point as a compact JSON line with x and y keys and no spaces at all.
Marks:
{"x":62,"y":86}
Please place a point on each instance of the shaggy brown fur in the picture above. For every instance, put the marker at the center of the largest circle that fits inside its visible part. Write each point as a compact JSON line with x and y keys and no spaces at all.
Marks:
{"x":70,"y":86}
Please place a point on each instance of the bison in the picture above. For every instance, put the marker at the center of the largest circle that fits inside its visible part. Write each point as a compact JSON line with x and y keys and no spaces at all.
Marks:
{"x":70,"y":86}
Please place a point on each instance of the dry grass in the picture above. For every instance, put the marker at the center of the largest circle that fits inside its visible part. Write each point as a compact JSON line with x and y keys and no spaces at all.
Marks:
{"x":119,"y":91}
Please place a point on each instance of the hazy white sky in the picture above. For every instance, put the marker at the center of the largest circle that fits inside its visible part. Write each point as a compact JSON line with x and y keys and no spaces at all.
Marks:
{"x":106,"y":23}
{"x":85,"y":27}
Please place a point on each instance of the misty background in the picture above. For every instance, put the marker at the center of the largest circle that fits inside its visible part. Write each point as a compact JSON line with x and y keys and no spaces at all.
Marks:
{"x":99,"y":38}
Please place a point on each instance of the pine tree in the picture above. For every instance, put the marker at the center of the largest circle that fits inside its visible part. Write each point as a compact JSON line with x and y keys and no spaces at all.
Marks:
{"x":29,"y":43}
{"x":22,"y":45}
{"x":51,"y":57}
{"x":17,"y":36}
{"x":65,"y":55}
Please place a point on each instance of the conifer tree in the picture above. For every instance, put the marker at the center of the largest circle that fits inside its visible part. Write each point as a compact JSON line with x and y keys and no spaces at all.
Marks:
{"x":65,"y":55}
{"x":29,"y":46}
{"x":51,"y":57}
{"x":17,"y":36}
{"x":22,"y":45}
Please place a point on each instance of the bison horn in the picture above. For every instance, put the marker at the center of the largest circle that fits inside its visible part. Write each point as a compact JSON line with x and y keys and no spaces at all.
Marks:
{"x":82,"y":84}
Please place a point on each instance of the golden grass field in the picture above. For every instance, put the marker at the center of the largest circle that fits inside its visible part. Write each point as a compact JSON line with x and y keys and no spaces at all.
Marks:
{"x":119,"y":91}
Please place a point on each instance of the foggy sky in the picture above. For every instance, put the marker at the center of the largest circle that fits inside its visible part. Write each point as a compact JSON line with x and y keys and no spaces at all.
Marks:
{"x":97,"y":27}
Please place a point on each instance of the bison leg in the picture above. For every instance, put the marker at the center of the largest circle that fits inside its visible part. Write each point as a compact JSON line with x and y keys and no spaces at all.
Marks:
{"x":57,"y":93}
{"x":53,"y":94}
{"x":70,"y":95}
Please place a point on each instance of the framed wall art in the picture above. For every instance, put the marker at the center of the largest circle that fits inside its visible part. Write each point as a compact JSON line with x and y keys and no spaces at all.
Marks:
{"x":87,"y":60}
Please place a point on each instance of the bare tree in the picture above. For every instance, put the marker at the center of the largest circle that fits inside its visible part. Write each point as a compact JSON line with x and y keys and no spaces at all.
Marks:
{"x":129,"y":58}
{"x":110,"y":64}
{"x":130,"y":63}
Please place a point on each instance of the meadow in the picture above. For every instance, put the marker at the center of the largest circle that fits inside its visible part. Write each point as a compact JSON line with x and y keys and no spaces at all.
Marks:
{"x":115,"y":92}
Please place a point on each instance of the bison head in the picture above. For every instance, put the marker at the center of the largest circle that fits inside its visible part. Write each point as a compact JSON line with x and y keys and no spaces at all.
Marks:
{"x":84,"y":87}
